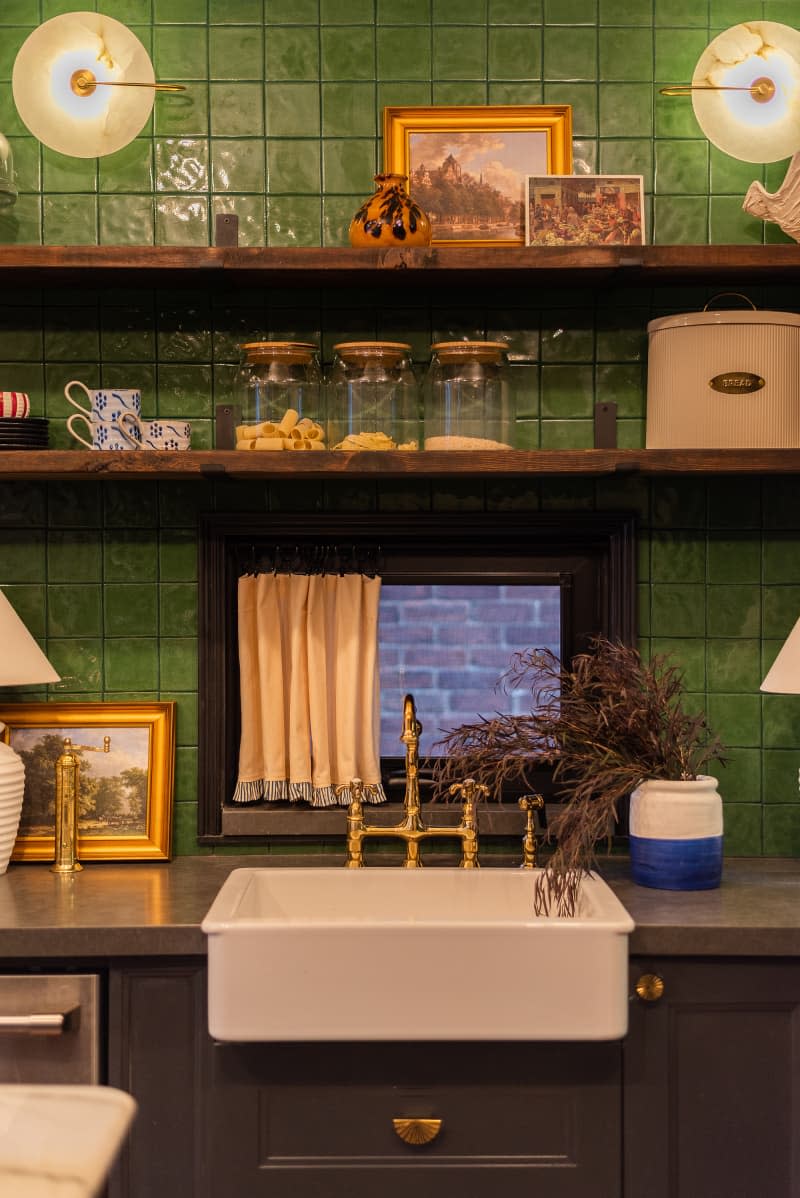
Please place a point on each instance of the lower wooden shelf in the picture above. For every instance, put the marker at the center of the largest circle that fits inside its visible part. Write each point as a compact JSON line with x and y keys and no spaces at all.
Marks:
{"x":53,"y":464}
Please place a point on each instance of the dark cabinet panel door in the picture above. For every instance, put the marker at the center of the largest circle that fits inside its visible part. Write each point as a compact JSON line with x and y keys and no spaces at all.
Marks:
{"x":712,"y":1081}
{"x":291,"y":1121}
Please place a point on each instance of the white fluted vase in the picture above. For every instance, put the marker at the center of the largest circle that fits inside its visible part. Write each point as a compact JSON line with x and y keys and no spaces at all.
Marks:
{"x":676,"y":834}
{"x":12,"y":785}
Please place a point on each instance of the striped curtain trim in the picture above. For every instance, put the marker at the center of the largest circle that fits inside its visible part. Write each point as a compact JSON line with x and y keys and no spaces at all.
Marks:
{"x":300,"y":792}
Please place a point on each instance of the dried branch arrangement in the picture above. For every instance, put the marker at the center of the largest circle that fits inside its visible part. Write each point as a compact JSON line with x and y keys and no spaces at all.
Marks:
{"x":605,"y":724}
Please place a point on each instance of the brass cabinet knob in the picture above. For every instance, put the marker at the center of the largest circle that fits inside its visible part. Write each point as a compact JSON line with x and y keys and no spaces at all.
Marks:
{"x":417,"y":1131}
{"x":650,"y":987}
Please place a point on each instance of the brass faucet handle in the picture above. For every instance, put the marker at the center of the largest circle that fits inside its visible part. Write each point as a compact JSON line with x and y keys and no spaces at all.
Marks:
{"x":355,"y":788}
{"x":470,"y":790}
{"x":529,"y":804}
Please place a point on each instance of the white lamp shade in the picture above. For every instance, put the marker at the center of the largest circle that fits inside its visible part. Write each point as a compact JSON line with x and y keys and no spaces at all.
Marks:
{"x":21,"y":660}
{"x":784,"y":677}
{"x":735,"y":122}
{"x":83,"y":126}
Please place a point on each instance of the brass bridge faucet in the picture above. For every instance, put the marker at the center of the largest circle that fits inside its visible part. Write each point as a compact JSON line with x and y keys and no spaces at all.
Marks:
{"x":412,"y":828}
{"x":68,"y":785}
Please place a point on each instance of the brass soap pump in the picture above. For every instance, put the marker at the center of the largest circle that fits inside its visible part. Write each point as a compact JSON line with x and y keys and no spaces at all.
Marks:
{"x":68,"y":783}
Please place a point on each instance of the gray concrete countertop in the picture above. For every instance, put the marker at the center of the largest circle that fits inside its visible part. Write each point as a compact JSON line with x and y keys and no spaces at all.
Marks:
{"x":138,"y":909}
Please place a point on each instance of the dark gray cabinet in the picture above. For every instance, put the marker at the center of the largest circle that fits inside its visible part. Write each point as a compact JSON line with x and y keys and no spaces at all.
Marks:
{"x":712,"y":1081}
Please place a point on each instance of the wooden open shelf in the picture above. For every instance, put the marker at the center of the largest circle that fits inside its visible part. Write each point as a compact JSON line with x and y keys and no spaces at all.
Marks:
{"x":53,"y":464}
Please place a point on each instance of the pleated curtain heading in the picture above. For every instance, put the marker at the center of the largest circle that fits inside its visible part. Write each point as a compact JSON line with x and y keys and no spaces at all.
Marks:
{"x":309,"y":684}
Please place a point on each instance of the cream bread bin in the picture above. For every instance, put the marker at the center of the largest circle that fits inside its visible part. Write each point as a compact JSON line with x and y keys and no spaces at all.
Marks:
{"x":724,"y":380}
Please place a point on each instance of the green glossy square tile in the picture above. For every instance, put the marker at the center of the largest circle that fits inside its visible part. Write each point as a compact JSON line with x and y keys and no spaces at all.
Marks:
{"x":782,"y":830}
{"x":570,"y":12}
{"x":688,"y":655}
{"x":734,"y":503}
{"x":631,"y":156}
{"x":782,"y":557}
{"x":624,"y":385}
{"x":127,"y":333}
{"x":292,"y":54}
{"x":63,"y":174}
{"x":185,"y":391}
{"x":734,"y":610}
{"x":236,"y":52}
{"x":583,"y":99}
{"x":515,"y":53}
{"x":567,"y":434}
{"x":236,"y":110}
{"x":18,"y":343}
{"x":457,"y":12}
{"x":570,"y":57}
{"x":180,"y":54}
{"x":624,"y":12}
{"x":625,"y":54}
{"x":677,"y":609}
{"x":740,"y":778}
{"x":70,"y":335}
{"x":79,"y":662}
{"x":459,"y":52}
{"x":781,"y":609}
{"x":734,"y":558}
{"x":679,"y":12}
{"x":729,"y":176}
{"x":521,"y":91}
{"x":681,"y":167}
{"x":567,"y":391}
{"x":346,"y":12}
{"x":184,"y":832}
{"x":734,"y":665}
{"x":780,"y":784}
{"x":74,"y":610}
{"x":736,"y":718}
{"x":404,"y":53}
{"x":678,"y":557}
{"x":177,"y":604}
{"x":291,"y":12}
{"x":126,"y":220}
{"x":178,"y":662}
{"x":293,"y":109}
{"x":74,"y":556}
{"x":70,"y":220}
{"x":780,"y":503}
{"x":130,"y":556}
{"x":130,"y":169}
{"x":729,"y":225}
{"x":567,"y":336}
{"x":231,"y":12}
{"x":22,"y":554}
{"x":237,"y":165}
{"x":74,"y":505}
{"x":186,"y":723}
{"x":130,"y":505}
{"x":16,"y":12}
{"x":181,"y":164}
{"x":175,"y":11}
{"x":130,"y":663}
{"x":187,"y":114}
{"x":29,"y":602}
{"x":348,"y":110}
{"x":412,"y":12}
{"x":294,"y":220}
{"x":130,"y":609}
{"x":180,"y":503}
{"x":337,"y":212}
{"x":680,"y":220}
{"x":676,"y":53}
{"x":742,"y":835}
{"x":621,"y":335}
{"x":459,"y":93}
{"x":348,"y":165}
{"x":184,"y":330}
{"x":781,"y":715}
{"x":182,"y":222}
{"x":177,"y":556}
{"x":673,"y":118}
{"x":293,"y":167}
{"x":23,"y":505}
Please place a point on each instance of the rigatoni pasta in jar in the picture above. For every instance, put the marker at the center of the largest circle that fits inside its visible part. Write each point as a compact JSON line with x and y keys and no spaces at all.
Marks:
{"x":281,"y":396}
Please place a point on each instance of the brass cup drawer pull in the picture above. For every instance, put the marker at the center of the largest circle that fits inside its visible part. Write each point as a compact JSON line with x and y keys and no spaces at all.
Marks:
{"x":650,"y":987}
{"x":417,"y":1131}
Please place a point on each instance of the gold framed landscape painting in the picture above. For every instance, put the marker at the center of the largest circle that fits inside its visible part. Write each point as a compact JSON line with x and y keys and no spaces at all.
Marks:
{"x":467,"y":165}
{"x":125,"y":794}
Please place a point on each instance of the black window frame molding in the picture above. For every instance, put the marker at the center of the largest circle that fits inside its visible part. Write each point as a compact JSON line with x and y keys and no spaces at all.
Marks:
{"x":590,"y":555}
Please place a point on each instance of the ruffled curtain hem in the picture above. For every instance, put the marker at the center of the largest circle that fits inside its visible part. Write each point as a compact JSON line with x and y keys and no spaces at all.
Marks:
{"x":300,"y":792}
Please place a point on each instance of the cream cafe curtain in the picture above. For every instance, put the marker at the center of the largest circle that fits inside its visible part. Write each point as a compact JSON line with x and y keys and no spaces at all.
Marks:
{"x":308,"y":663}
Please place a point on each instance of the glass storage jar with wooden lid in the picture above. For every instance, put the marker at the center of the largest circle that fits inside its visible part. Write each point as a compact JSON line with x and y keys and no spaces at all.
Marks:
{"x":373,"y":397}
{"x":468,"y":398}
{"x":281,"y":396}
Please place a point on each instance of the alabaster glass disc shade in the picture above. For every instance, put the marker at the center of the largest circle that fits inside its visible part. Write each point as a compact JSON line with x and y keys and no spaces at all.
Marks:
{"x":83,"y":126}
{"x":784,"y":677}
{"x":734,"y":121}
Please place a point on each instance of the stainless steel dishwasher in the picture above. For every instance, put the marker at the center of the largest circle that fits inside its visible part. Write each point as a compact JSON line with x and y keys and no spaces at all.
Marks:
{"x":50,"y":1028}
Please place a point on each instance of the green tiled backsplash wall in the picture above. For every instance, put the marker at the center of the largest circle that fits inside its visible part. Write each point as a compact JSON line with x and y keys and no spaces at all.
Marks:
{"x":281,"y":120}
{"x":105,"y":574}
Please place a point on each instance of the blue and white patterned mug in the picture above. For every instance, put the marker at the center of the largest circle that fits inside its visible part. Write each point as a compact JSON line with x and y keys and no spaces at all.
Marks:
{"x":156,"y":434}
{"x":106,"y":406}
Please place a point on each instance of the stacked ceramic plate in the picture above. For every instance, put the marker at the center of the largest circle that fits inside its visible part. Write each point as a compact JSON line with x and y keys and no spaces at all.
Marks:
{"x":18,"y":429}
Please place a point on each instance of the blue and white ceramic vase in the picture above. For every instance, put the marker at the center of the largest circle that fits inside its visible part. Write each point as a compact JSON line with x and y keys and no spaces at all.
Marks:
{"x":676,"y":834}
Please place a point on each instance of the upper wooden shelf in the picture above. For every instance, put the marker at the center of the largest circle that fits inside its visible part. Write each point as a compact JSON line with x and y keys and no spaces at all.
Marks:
{"x":531,"y":464}
{"x":151,"y":265}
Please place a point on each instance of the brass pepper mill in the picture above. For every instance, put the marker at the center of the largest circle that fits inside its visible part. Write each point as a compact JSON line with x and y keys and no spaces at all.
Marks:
{"x":68,"y":784}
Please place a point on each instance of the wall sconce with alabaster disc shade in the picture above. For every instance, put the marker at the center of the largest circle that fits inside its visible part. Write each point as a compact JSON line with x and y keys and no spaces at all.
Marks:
{"x":84,"y":84}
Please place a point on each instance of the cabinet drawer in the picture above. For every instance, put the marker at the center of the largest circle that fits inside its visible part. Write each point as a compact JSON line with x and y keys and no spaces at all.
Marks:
{"x":545,"y":1114}
{"x":50,"y":1028}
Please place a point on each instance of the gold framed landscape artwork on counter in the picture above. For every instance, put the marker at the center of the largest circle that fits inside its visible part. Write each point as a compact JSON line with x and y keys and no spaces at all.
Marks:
{"x":125,"y":793}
